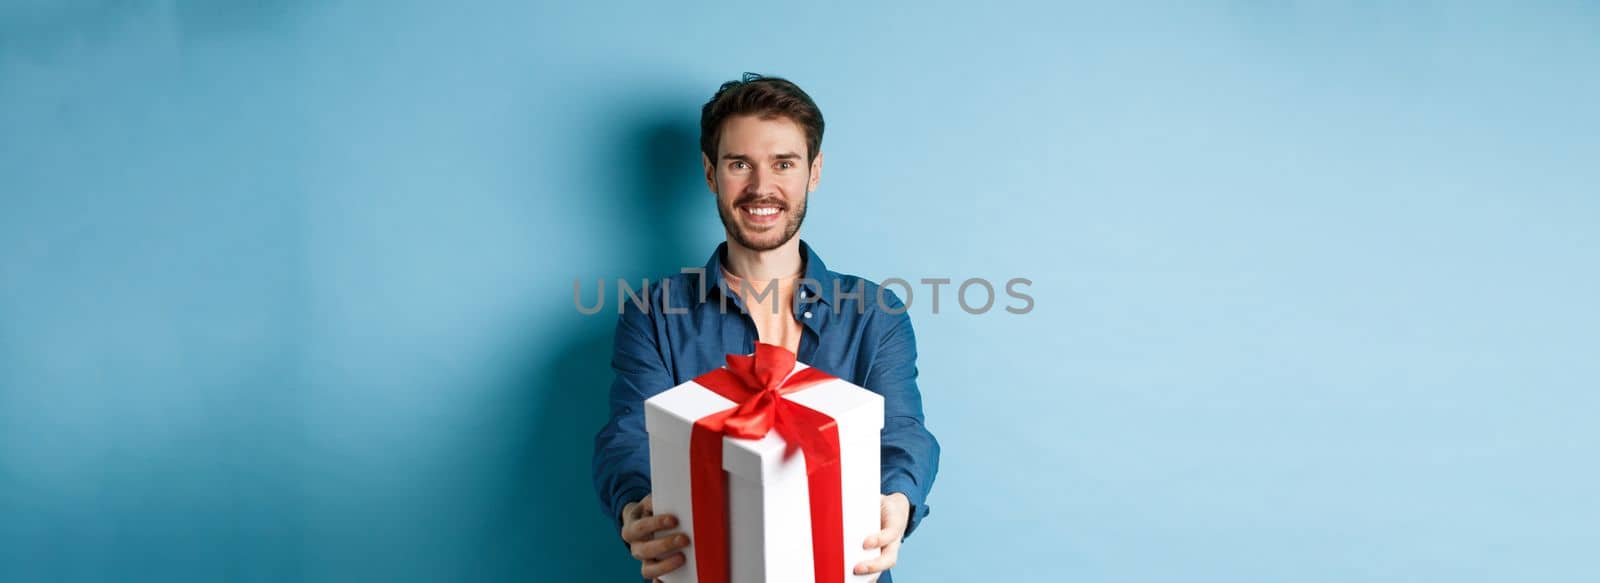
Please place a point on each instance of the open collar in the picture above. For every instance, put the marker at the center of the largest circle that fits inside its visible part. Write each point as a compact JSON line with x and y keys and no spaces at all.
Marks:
{"x":816,"y":279}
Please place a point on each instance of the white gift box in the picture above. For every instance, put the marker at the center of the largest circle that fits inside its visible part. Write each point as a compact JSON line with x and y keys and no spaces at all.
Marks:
{"x":769,"y":513}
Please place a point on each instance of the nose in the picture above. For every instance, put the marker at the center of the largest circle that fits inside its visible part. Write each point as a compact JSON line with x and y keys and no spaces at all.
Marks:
{"x":762,"y":182}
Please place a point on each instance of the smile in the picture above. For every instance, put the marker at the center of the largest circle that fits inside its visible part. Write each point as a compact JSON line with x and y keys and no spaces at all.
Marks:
{"x":761,"y":213}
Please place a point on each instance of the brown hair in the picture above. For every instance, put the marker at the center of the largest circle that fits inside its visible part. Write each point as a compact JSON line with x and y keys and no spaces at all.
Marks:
{"x":768,"y":97}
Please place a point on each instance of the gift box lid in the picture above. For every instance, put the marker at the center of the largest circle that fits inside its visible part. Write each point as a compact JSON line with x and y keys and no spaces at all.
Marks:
{"x":670,"y":416}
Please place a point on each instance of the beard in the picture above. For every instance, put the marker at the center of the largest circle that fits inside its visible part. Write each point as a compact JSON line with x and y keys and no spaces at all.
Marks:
{"x":763,"y":240}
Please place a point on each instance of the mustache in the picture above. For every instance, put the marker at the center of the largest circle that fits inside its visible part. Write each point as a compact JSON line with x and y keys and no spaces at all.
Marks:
{"x":757,"y":199}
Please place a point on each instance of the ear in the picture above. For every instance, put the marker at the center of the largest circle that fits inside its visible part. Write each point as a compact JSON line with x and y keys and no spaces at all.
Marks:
{"x":816,"y":173}
{"x":711,"y":173}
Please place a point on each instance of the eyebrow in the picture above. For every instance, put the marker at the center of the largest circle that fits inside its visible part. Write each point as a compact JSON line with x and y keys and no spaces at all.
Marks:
{"x":783,"y":156}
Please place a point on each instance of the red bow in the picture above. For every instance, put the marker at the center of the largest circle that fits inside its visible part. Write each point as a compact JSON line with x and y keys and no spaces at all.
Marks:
{"x":758,"y":384}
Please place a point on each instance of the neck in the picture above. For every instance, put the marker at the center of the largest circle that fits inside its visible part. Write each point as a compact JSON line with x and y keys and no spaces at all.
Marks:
{"x":752,"y":265}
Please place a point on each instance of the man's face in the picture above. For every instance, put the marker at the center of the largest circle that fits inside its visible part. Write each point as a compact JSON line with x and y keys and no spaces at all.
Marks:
{"x":761,"y":179}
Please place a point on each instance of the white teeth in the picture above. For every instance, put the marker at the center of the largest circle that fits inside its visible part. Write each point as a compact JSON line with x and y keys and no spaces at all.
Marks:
{"x":763,"y":211}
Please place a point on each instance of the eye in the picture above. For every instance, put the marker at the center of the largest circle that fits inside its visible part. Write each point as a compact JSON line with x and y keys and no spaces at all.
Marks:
{"x":737,"y":165}
{"x":785,"y":165}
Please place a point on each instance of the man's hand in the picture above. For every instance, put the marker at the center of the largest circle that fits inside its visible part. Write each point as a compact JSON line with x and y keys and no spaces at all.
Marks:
{"x":657,"y":556}
{"x":896,"y":510}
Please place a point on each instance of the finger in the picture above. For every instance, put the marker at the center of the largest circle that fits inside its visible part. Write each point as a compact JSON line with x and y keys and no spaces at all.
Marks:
{"x":634,"y":511}
{"x":654,"y":568}
{"x":644,"y":529}
{"x":658,"y":548}
{"x":881,"y":538}
{"x":648,"y":505}
{"x":881,"y":563}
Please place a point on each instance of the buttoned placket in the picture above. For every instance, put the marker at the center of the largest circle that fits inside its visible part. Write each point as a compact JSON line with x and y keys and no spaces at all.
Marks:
{"x":809,"y":337}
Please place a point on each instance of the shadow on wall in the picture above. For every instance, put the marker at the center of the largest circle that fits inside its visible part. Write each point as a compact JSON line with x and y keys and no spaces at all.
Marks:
{"x":552,"y":528}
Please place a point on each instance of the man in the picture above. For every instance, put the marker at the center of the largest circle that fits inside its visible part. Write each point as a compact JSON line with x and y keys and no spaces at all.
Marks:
{"x":760,"y":142}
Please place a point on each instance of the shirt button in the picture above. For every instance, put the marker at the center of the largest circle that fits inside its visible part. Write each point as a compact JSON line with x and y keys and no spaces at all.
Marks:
{"x":807,"y":314}
{"x":804,"y":293}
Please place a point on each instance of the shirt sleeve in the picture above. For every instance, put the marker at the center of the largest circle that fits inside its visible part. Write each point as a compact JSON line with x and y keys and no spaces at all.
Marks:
{"x":621,"y":464}
{"x":910,"y":456}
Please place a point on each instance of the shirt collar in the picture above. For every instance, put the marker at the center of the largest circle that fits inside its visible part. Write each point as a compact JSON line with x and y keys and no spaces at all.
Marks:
{"x":817,"y":278}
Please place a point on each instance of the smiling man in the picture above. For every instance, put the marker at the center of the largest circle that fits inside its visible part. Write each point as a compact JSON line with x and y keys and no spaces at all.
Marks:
{"x":761,"y":140}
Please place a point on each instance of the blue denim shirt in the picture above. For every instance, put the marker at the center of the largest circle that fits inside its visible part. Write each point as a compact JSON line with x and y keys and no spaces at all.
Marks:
{"x":685,"y":332}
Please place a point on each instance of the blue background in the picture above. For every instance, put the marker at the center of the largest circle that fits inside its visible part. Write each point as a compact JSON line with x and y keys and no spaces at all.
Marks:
{"x":286,"y":288}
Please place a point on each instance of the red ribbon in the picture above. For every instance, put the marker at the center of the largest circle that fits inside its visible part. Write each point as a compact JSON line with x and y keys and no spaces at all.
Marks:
{"x":758,"y":384}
